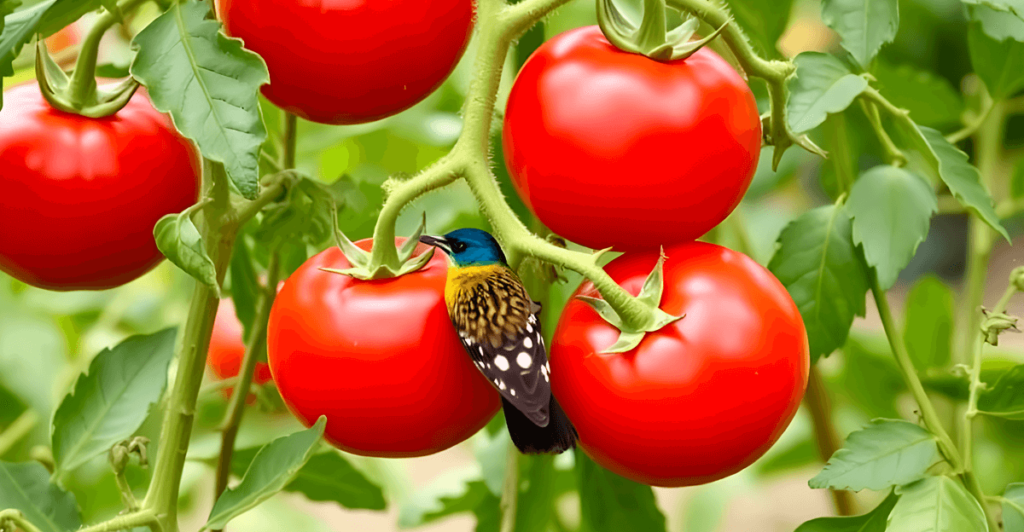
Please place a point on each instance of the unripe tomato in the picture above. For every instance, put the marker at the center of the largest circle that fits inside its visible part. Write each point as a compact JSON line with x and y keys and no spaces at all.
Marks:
{"x":227,"y":347}
{"x":380,"y":359}
{"x":703,"y":397}
{"x":351,"y":61}
{"x":81,"y":195}
{"x":610,"y":148}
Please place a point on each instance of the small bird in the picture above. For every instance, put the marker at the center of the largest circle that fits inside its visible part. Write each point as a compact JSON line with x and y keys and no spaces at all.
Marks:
{"x":497,"y":324}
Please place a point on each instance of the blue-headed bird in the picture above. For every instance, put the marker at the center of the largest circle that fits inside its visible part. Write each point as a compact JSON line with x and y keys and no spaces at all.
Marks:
{"x":497,"y":323}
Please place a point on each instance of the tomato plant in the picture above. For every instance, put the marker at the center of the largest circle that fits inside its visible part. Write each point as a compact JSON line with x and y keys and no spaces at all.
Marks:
{"x":589,"y":131}
{"x":385,"y":389}
{"x":708,"y":394}
{"x":872,"y":264}
{"x":82,"y":195}
{"x":352,"y":62}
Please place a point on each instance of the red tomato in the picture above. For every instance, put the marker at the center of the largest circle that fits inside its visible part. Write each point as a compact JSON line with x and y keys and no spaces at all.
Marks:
{"x":380,"y":359}
{"x":610,"y":148}
{"x":227,"y":346}
{"x":81,"y":195}
{"x":351,"y":61}
{"x":699,"y":399}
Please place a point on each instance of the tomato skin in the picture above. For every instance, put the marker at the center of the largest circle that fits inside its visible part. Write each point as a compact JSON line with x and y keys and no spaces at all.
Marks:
{"x":81,"y":195}
{"x":699,"y":399}
{"x":380,"y":359}
{"x":65,"y":38}
{"x":610,"y":148}
{"x":351,"y":61}
{"x":227,"y":347}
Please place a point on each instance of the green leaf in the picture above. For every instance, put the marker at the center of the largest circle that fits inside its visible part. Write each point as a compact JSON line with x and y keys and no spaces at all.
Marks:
{"x":110,"y":402}
{"x":886,"y":453}
{"x":863,"y":25}
{"x":936,"y":504}
{"x":963,"y":179}
{"x":1017,"y":180}
{"x":26,"y":487}
{"x":1013,"y":6}
{"x":929,"y":323}
{"x":179,"y":240}
{"x":274,"y":467}
{"x":210,"y":86}
{"x":1005,"y":398}
{"x":326,"y":477}
{"x":488,"y":514}
{"x":891,"y":210}
{"x":763,"y":22}
{"x":306,"y":215}
{"x":1013,"y":508}
{"x":817,"y":263}
{"x":999,"y":63}
{"x":822,"y":85}
{"x":610,"y":503}
{"x":453,"y":492}
{"x":873,"y":521}
{"x":931,"y":100}
{"x":245,"y":287}
{"x":998,"y":25}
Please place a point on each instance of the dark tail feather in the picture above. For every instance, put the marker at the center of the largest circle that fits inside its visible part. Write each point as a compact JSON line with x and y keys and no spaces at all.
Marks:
{"x":557,"y":437}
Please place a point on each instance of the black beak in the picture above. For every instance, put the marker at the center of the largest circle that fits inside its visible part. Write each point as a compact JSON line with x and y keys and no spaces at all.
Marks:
{"x":436,"y":241}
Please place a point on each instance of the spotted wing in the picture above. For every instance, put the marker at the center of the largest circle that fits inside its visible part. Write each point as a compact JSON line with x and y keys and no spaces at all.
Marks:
{"x":498,"y":327}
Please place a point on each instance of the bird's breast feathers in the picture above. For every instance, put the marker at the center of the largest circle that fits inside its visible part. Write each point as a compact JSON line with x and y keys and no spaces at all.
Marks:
{"x":487,"y":303}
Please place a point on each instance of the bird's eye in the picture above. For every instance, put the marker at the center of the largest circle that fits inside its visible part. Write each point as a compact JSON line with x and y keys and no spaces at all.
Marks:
{"x":458,"y":247}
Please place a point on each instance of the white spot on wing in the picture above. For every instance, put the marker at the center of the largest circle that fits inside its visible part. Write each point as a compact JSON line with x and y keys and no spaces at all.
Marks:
{"x":527,"y":342}
{"x":512,"y":392}
{"x":501,"y":385}
{"x":524,"y":360}
{"x":501,"y":362}
{"x":529,"y":328}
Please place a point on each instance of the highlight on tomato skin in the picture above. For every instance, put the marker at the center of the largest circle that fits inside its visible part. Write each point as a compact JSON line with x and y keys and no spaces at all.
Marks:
{"x":82,"y":195}
{"x":379,"y":358}
{"x":351,"y":62}
{"x":700,"y":399}
{"x":614,"y":149}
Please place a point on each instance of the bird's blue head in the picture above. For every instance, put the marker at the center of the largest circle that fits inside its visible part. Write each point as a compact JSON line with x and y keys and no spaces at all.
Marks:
{"x":468,"y":247}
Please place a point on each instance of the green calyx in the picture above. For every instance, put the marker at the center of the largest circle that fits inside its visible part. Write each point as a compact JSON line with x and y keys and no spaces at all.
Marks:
{"x":365,"y":268}
{"x":651,"y":38}
{"x":630,"y":335}
{"x":79,"y":93}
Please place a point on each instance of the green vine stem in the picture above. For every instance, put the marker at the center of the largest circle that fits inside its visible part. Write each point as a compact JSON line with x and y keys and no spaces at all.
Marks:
{"x":825,"y":436}
{"x":17,"y":430}
{"x":893,"y":155}
{"x":510,"y":491}
{"x":927,"y":409}
{"x":16,"y":519}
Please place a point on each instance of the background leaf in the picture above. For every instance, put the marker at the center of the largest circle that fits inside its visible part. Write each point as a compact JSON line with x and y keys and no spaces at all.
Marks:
{"x":864,"y":25}
{"x":931,"y":99}
{"x":763,"y":23}
{"x":822,"y":85}
{"x":1005,"y":398}
{"x":929,"y":323}
{"x":963,"y":180}
{"x":456,"y":491}
{"x":328,"y":477}
{"x":873,"y":521}
{"x":274,"y":466}
{"x":27,"y":487}
{"x":999,"y":63}
{"x":819,"y":266}
{"x":210,"y":86}
{"x":1013,"y":508}
{"x":610,"y":503}
{"x":997,"y":24}
{"x":891,"y":210}
{"x":886,"y":453}
{"x":936,"y":504}
{"x":110,"y":402}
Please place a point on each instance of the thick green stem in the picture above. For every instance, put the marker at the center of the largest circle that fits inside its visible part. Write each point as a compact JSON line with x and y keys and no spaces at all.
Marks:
{"x":162,"y":498}
{"x":510,"y":491}
{"x":82,"y":85}
{"x":18,"y":429}
{"x":652,"y":34}
{"x":927,"y":409}
{"x":129,"y":521}
{"x":16,"y":518}
{"x":255,"y":346}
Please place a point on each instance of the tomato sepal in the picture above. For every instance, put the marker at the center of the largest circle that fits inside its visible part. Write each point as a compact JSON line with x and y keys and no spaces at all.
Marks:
{"x":650,"y":296}
{"x":59,"y":91}
{"x":363,"y":267}
{"x":650,"y":38}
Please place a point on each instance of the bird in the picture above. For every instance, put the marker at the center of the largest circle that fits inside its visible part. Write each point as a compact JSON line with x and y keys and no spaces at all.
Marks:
{"x":497,"y":324}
